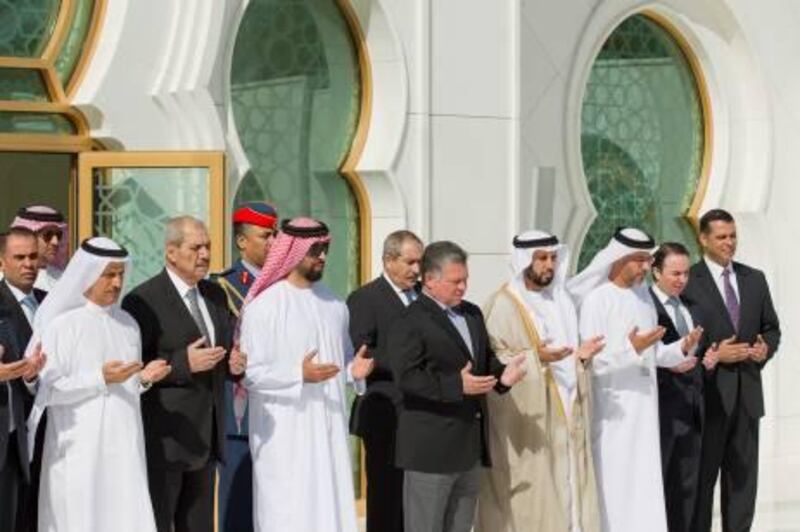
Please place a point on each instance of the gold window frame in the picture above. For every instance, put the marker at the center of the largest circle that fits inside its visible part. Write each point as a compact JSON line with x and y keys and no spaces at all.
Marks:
{"x":214,"y":161}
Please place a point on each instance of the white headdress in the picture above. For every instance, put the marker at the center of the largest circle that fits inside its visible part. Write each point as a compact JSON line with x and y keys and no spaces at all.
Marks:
{"x":625,"y":241}
{"x":83,"y":270}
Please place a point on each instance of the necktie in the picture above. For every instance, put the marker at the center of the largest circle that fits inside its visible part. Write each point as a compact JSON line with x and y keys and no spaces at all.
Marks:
{"x":731,"y":301}
{"x":409,"y":296}
{"x":194,"y":309}
{"x":31,"y":304}
{"x":680,"y":321}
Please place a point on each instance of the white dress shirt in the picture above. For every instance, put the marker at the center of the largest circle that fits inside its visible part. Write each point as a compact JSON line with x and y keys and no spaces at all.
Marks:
{"x":183,"y":290}
{"x":716,"y":274}
{"x":397,"y":290}
{"x":663,"y":298}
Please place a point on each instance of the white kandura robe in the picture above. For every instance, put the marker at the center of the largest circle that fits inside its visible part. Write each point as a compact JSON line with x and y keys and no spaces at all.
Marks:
{"x":94,"y":474}
{"x":302,"y":476}
{"x":625,"y":427}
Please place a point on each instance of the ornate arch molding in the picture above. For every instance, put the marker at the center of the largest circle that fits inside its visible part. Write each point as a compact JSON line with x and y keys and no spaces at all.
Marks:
{"x":736,"y":110}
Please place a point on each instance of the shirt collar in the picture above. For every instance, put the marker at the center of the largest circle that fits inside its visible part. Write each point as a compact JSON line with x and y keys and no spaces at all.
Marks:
{"x":715,"y":269}
{"x":179,"y":283}
{"x":662,"y":297}
{"x":396,"y":288}
{"x":252,"y":268}
{"x":18,"y":294}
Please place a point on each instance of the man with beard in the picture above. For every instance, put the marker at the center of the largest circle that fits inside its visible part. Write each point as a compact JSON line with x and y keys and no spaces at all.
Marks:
{"x":543,"y":477}
{"x":184,"y":320}
{"x":51,"y":235}
{"x":295,"y":334}
{"x":614,"y":302}
{"x":373,"y":308}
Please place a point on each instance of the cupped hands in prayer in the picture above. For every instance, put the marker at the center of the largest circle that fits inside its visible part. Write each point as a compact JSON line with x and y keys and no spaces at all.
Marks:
{"x":117,"y":371}
{"x":237,"y":363}
{"x":547,"y":353}
{"x":203,"y":358}
{"x":691,"y":339}
{"x":315,"y":372}
{"x":711,"y":358}
{"x":731,"y":351}
{"x":154,"y":371}
{"x":28,"y":368}
{"x":759,"y":350}
{"x":476,"y":384}
{"x":588,"y":349}
{"x":514,"y":371}
{"x":362,"y":364}
{"x":643,"y":340}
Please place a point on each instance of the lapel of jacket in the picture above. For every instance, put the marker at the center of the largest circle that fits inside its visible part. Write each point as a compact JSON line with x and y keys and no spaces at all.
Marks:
{"x":439,"y":316}
{"x":175,"y":302}
{"x":664,"y":318}
{"x":19,"y":323}
{"x":745,"y":293}
{"x":204,"y":287}
{"x":707,"y":284}
{"x":389,"y":295}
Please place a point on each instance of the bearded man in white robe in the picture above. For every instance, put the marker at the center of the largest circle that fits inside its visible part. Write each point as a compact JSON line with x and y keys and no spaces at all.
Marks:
{"x":295,"y":334}
{"x":543,"y":477}
{"x":94,"y":474}
{"x":614,"y":301}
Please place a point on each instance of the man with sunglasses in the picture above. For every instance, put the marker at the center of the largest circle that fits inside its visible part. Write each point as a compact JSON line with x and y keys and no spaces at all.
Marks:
{"x":51,"y":234}
{"x":299,"y":358}
{"x":254,"y":228}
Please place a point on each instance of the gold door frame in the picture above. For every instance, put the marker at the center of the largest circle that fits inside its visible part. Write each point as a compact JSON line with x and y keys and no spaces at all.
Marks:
{"x":213,"y":160}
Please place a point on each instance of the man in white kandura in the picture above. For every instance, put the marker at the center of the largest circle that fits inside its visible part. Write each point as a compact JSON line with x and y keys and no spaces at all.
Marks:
{"x":614,"y":302}
{"x":295,"y":334}
{"x":94,"y":475}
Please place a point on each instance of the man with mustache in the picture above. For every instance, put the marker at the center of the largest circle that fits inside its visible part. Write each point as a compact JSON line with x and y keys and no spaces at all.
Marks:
{"x":184,"y":320}
{"x":543,"y":477}
{"x":51,"y":235}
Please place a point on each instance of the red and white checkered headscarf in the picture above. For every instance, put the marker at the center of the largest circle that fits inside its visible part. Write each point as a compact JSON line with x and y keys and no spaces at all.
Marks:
{"x":287,"y":251}
{"x":36,"y":218}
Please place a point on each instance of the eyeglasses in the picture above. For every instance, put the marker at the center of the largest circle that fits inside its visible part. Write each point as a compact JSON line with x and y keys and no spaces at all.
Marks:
{"x":318,"y":249}
{"x":48,"y":234}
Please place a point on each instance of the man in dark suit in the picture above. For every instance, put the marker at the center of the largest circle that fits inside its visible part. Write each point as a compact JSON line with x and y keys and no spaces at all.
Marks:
{"x":680,"y":388}
{"x":738,"y":316}
{"x":373,"y":308}
{"x":254,"y":229}
{"x":443,"y":364}
{"x":184,"y":320}
{"x":18,"y":303}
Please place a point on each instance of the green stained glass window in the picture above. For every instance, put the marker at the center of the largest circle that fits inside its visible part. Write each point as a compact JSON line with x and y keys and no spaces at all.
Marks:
{"x":22,"y":84}
{"x":295,"y":91}
{"x":26,"y":26}
{"x":642,"y":136}
{"x":76,"y":38}
{"x":36,"y":123}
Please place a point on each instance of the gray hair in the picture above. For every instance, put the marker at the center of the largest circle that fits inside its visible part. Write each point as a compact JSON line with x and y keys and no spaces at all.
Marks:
{"x":438,"y":254}
{"x":393,"y":244}
{"x":175,"y":229}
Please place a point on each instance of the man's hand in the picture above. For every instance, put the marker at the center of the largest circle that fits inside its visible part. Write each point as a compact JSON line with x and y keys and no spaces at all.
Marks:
{"x":691,"y":339}
{"x":688,"y":364}
{"x":237,"y":362}
{"x":711,"y":358}
{"x":35,"y":363}
{"x":313,"y":372}
{"x":759,"y":350}
{"x":362,"y":365}
{"x":552,"y":354}
{"x":154,"y":371}
{"x":117,"y":371}
{"x":476,"y":385}
{"x":12,"y":370}
{"x":641,"y":341}
{"x":514,"y":371}
{"x":203,"y":358}
{"x":588,"y":349}
{"x":731,"y":352}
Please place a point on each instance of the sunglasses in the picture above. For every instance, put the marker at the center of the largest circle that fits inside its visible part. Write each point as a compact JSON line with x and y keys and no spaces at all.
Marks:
{"x":48,"y":234}
{"x":317,"y":249}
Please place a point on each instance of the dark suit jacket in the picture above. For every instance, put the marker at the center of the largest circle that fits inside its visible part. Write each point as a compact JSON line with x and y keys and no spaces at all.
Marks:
{"x":741,"y":380}
{"x":15,"y":333}
{"x":373,"y":308}
{"x":680,"y":395}
{"x":440,"y":429}
{"x":184,"y":413}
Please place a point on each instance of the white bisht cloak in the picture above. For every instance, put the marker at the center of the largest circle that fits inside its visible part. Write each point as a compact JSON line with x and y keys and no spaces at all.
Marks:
{"x":94,"y":473}
{"x":302,"y":477}
{"x":625,"y":430}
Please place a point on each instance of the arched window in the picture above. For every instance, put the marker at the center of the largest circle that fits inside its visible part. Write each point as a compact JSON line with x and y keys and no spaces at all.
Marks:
{"x":642,"y":135}
{"x":296,"y":96}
